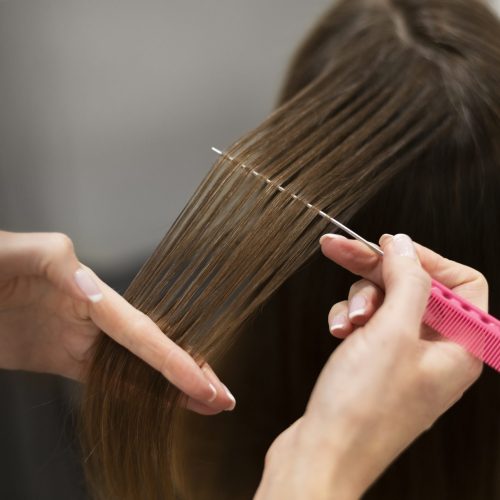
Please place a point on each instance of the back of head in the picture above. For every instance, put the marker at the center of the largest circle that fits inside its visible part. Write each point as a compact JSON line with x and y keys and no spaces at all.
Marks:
{"x":438,"y":61}
{"x":421,"y":87}
{"x":389,"y":119}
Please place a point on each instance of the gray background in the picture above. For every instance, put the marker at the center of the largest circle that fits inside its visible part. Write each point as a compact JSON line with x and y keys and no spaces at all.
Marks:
{"x":108,"y":109}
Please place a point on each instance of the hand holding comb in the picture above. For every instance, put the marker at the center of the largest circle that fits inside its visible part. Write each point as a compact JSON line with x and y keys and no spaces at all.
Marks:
{"x":447,"y":313}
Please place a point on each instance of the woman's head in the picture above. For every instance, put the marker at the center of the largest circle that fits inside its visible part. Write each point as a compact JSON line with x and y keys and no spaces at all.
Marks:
{"x":388,"y":120}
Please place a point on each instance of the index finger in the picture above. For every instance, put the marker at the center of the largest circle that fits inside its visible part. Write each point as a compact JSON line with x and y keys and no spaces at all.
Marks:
{"x":360,"y":260}
{"x":139,"y":334}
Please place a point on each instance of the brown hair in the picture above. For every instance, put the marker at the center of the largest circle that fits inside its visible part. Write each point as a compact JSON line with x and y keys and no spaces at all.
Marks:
{"x":389,"y":120}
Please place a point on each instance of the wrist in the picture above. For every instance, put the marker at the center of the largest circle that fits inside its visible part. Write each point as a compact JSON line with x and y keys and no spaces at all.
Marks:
{"x":302,"y":463}
{"x":348,"y":451}
{"x":328,"y":455}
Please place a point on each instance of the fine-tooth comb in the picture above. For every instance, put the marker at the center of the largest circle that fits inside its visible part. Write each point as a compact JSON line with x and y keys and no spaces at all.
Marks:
{"x":447,"y":313}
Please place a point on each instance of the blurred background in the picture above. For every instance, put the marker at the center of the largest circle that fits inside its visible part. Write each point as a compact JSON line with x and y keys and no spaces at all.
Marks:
{"x":108,"y":112}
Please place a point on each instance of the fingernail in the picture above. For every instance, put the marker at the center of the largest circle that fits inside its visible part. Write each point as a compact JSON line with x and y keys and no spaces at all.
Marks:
{"x":231,"y":397}
{"x":403,"y":246}
{"x":87,"y":285}
{"x":357,"y":306}
{"x":329,"y":236}
{"x":214,"y":392}
{"x":339,"y":322}
{"x":211,"y":377}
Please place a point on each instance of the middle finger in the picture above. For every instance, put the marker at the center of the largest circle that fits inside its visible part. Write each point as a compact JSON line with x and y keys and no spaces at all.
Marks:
{"x":364,"y":299}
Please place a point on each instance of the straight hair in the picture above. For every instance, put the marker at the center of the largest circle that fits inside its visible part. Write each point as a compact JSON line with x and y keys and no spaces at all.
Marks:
{"x":389,"y":119}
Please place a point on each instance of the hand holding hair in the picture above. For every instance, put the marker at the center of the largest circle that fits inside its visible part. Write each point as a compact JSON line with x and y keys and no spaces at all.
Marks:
{"x":388,"y":382}
{"x":52,"y":309}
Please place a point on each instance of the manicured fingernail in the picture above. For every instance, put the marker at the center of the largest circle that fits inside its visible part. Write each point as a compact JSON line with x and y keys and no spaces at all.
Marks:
{"x":214,"y":392}
{"x":211,"y":379}
{"x":231,"y":397}
{"x":329,"y":236}
{"x":357,"y":306}
{"x":339,"y":322}
{"x":403,"y":246}
{"x":87,"y":285}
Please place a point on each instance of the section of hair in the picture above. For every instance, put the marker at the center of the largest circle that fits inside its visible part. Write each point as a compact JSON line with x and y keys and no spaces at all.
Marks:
{"x":385,"y":102}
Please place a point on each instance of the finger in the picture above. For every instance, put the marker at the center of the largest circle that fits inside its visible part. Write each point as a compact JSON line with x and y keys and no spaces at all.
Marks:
{"x":200,"y":408}
{"x":52,"y":255}
{"x":204,"y":409}
{"x":338,"y":320}
{"x":353,"y":256}
{"x":463,"y":280}
{"x":140,"y":335}
{"x":364,"y":299}
{"x":360,"y":260}
{"x":223,"y":393}
{"x":49,"y":255}
{"x":407,"y":285}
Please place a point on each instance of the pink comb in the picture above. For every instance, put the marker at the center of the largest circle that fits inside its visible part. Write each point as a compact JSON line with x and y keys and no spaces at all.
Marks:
{"x":447,"y":313}
{"x":464,"y":323}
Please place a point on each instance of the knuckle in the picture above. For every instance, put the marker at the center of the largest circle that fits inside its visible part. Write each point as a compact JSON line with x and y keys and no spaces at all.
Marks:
{"x":429,"y":384}
{"x":51,"y":251}
{"x":435,"y":262}
{"x":474,"y":369}
{"x":165,"y":365}
{"x":138,"y":324}
{"x":481,"y":281}
{"x":61,"y":244}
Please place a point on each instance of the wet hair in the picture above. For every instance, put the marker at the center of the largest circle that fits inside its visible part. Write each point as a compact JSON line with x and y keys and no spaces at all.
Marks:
{"x":389,"y":119}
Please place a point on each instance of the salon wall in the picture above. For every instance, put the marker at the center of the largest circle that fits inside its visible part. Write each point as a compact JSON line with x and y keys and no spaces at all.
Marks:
{"x":109,"y":108}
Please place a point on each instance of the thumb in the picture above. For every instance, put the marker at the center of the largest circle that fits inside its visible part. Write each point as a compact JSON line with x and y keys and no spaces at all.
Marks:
{"x":407,"y":285}
{"x":360,"y":260}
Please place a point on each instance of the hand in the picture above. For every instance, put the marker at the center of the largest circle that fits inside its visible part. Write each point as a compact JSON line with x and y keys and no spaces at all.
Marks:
{"x":388,"y":381}
{"x":52,"y":309}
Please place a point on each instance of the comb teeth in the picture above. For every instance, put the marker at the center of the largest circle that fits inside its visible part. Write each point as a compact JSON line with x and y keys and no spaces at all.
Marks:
{"x":465,"y":324}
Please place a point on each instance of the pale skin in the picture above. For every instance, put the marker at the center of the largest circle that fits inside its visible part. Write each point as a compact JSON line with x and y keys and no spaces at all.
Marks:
{"x":389,"y":380}
{"x":387,"y":383}
{"x":52,"y":309}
